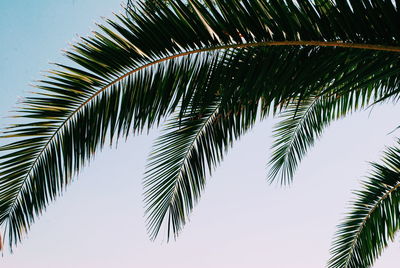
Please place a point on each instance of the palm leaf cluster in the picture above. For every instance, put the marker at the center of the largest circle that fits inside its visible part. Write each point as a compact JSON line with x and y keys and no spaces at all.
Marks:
{"x":213,"y":68}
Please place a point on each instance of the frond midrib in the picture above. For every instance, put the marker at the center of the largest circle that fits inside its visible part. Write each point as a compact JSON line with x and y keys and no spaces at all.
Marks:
{"x":186,"y":53}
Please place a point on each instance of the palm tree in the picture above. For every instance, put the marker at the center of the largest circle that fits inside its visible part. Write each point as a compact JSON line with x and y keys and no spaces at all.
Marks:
{"x":213,"y":68}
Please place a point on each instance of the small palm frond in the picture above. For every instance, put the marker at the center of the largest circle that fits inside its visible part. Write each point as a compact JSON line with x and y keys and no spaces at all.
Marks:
{"x":374,"y":218}
{"x":142,"y":66}
{"x":303,"y":121}
{"x":191,"y":145}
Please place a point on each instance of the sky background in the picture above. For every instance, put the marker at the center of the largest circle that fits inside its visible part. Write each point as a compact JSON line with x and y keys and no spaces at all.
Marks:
{"x":241,"y":221}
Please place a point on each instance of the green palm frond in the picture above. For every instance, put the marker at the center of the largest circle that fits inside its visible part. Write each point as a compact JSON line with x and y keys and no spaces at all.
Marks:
{"x":303,"y":121}
{"x":157,"y":59}
{"x":191,"y":145}
{"x":36,"y":169}
{"x":374,"y":218}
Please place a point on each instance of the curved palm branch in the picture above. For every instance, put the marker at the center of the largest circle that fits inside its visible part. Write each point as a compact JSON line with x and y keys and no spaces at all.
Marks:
{"x":374,"y":219}
{"x":303,"y":122}
{"x":156,"y":60}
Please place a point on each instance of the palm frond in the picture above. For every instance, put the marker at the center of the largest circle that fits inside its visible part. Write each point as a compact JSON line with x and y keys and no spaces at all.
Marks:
{"x":36,"y":169}
{"x":374,"y":218}
{"x":141,"y":66}
{"x":191,"y":145}
{"x":303,"y":121}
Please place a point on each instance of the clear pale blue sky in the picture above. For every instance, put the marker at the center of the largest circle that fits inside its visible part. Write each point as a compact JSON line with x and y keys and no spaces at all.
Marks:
{"x":241,"y":221}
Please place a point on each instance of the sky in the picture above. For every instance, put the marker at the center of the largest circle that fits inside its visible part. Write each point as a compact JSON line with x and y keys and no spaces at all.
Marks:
{"x":240,"y":221}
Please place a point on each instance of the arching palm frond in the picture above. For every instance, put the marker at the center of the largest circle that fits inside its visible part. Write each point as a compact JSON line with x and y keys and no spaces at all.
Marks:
{"x":303,"y":121}
{"x":37,"y":168}
{"x":374,"y":218}
{"x":191,"y":145}
{"x":157,"y":59}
